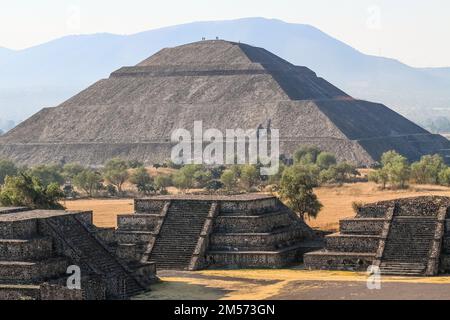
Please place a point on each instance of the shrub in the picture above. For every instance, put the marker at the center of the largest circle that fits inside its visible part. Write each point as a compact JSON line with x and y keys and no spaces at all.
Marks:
{"x":116,"y":173}
{"x":89,"y":181}
{"x":28,"y":191}
{"x":7,"y":168}
{"x":296,"y":189}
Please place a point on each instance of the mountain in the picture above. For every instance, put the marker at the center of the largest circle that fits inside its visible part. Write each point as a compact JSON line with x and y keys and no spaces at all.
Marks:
{"x":48,"y":74}
{"x":226,"y":85}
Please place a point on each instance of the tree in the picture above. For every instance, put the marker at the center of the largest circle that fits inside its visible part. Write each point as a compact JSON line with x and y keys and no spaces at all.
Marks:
{"x":143,"y":181}
{"x":7,"y":168}
{"x":249,"y":176}
{"x":28,"y":191}
{"x":89,"y":181}
{"x":444,"y":177}
{"x":394,"y":169}
{"x":134,"y":164}
{"x":379,"y":176}
{"x":48,"y":174}
{"x":229,"y":179}
{"x":427,"y":170}
{"x":116,"y":173}
{"x":70,"y":170}
{"x":306,"y":154}
{"x":162,"y":182}
{"x":296,"y":190}
{"x":325,"y":160}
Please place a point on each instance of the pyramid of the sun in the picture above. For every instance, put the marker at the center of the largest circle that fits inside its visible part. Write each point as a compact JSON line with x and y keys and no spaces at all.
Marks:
{"x":226,"y":85}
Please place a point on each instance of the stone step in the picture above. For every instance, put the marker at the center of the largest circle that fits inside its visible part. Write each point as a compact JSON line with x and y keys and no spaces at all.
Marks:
{"x":19,"y":292}
{"x":32,"y":271}
{"x":25,"y":250}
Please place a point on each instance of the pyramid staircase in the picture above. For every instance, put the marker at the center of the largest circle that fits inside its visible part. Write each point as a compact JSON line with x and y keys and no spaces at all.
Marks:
{"x":413,"y":245}
{"x":27,"y":259}
{"x":95,"y":256}
{"x":179,"y":235}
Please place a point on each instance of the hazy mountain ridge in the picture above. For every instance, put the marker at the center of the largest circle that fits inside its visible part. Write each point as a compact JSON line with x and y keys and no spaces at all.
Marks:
{"x":47,"y":74}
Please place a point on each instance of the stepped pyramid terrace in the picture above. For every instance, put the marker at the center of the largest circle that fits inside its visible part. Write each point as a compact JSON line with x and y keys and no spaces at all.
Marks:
{"x":37,"y":247}
{"x":196,"y":232}
{"x":226,"y":85}
{"x":402,"y":237}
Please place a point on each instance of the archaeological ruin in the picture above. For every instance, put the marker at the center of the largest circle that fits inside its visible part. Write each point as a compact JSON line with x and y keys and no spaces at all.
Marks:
{"x":197,"y":232}
{"x":409,"y":237}
{"x":227,"y":86}
{"x":39,"y":247}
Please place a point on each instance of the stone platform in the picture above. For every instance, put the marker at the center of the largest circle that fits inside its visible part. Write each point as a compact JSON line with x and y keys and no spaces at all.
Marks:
{"x":196,"y":232}
{"x":401,"y":237}
{"x":38,"y":246}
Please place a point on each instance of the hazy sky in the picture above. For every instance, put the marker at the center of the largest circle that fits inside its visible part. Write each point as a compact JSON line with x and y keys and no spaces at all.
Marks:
{"x":416,"y":32}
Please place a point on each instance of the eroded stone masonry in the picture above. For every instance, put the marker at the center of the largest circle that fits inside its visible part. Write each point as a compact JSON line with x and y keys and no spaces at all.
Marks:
{"x":402,"y":237}
{"x":191,"y":233}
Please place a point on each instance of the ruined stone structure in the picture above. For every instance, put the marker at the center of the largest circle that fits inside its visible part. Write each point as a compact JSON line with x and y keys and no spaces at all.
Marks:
{"x":37,"y":247}
{"x":227,"y":86}
{"x":195,"y":232}
{"x":402,"y":237}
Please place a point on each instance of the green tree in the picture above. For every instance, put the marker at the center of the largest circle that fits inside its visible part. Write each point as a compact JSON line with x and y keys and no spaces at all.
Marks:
{"x":162,"y":182}
{"x":116,"y":173}
{"x":379,"y":176}
{"x":397,"y":169}
{"x":306,"y":154}
{"x":296,"y":189}
{"x":444,"y":177}
{"x":427,"y":170}
{"x":229,"y":179}
{"x":89,"y":181}
{"x":7,"y":168}
{"x":142,"y":180}
{"x":48,"y":174}
{"x":28,"y":191}
{"x":70,"y":170}
{"x":325,"y":160}
{"x":249,"y":176}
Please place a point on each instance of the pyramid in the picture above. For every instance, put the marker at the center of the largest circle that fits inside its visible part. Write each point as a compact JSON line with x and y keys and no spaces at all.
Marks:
{"x":226,"y":85}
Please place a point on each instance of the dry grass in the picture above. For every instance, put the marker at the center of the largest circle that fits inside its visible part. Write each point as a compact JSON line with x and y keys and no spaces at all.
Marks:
{"x":337,"y":203}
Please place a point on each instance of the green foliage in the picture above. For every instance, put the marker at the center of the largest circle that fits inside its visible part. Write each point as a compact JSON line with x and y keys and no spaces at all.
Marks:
{"x":214,"y":185}
{"x":249,"y":176}
{"x":134,"y":164}
{"x":306,"y":154}
{"x":395,"y":170}
{"x":229,"y":179}
{"x":28,"y":191}
{"x":7,"y":168}
{"x":70,"y":170}
{"x":48,"y":174}
{"x":444,"y":177}
{"x":116,"y":173}
{"x":296,"y":190}
{"x":89,"y":181}
{"x":427,"y":170}
{"x":162,"y":182}
{"x":143,"y":181}
{"x":325,"y":160}
{"x":185,"y":177}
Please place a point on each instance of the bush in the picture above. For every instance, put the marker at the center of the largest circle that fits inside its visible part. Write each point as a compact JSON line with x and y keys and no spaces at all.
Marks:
{"x":325,"y":160}
{"x":48,"y":174}
{"x":229,"y":179}
{"x":89,"y":181}
{"x":28,"y":191}
{"x":214,"y":185}
{"x":134,"y":164}
{"x":70,"y":170}
{"x":306,"y":154}
{"x":444,"y":177}
{"x":143,"y":181}
{"x":427,"y":170}
{"x":116,"y":173}
{"x":296,"y":189}
{"x":162,"y":182}
{"x":7,"y":168}
{"x":249,"y":176}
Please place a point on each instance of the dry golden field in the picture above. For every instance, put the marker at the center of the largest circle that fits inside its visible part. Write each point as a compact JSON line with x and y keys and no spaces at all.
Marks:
{"x":337,"y":203}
